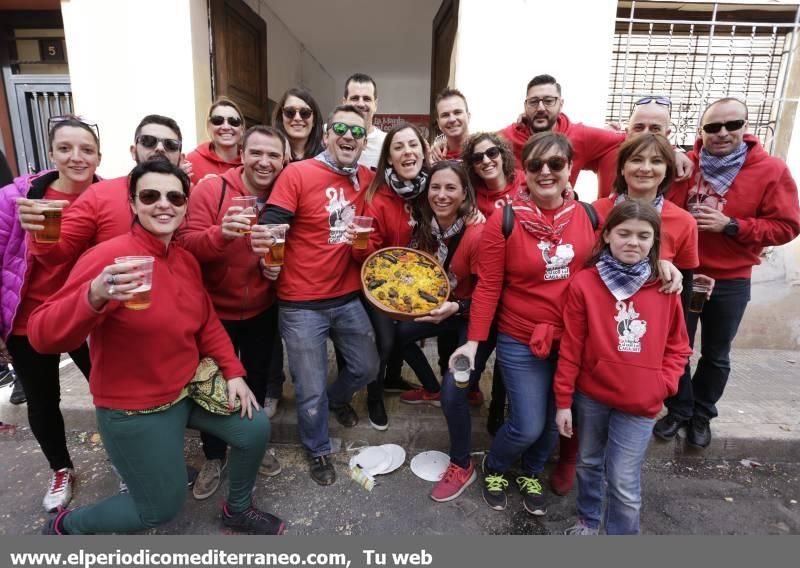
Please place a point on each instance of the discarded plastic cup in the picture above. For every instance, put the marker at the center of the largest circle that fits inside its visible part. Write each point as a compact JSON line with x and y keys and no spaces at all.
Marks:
{"x":461,"y":371}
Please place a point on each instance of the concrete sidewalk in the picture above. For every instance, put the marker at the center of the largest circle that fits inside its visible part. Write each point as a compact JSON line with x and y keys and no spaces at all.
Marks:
{"x":759,"y":414}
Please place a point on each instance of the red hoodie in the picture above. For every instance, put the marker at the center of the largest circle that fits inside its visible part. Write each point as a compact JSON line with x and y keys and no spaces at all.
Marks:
{"x":464,"y":264}
{"x":206,"y":163}
{"x":490,"y":201}
{"x":231,"y":272}
{"x":140,"y":359}
{"x":391,"y":220}
{"x":763,"y":200}
{"x":589,"y":144}
{"x":627,"y":354}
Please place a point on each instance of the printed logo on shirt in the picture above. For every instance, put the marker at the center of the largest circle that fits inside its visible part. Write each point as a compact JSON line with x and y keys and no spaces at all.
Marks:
{"x":340,"y":214}
{"x":630,"y":329}
{"x":503,"y":201}
{"x":411,"y":221}
{"x":556,"y":260}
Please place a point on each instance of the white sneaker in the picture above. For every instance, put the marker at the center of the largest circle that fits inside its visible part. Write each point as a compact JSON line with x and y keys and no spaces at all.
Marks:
{"x":270,"y":466}
{"x":271,"y":406}
{"x":580,"y":528}
{"x":60,"y":491}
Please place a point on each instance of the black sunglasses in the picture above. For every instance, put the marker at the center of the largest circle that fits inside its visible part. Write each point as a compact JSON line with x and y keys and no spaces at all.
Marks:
{"x":554,"y":164}
{"x":150,"y":142}
{"x":340,"y":129}
{"x":663,"y":101}
{"x":290,"y":112}
{"x":477,"y":157}
{"x":218,"y":120}
{"x":730,"y":126}
{"x":150,"y":196}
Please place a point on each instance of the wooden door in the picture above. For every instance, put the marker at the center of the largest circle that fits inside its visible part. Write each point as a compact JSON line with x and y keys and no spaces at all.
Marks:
{"x":445,"y":25}
{"x":239,"y":57}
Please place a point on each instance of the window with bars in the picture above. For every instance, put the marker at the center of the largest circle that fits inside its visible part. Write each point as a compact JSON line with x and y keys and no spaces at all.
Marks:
{"x":696,"y":53}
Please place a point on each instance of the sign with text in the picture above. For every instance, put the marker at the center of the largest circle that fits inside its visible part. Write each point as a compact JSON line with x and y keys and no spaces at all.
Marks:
{"x":388,"y":121}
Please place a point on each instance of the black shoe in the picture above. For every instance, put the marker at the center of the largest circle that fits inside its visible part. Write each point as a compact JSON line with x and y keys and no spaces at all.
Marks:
{"x":668,"y":427}
{"x":345,"y":414}
{"x":252,"y":521}
{"x":54,"y":526}
{"x":397,"y":385}
{"x":6,"y":376}
{"x":17,"y":395}
{"x":322,"y":470}
{"x":699,"y":432}
{"x":494,"y":488}
{"x":532,"y":497}
{"x":377,"y":415}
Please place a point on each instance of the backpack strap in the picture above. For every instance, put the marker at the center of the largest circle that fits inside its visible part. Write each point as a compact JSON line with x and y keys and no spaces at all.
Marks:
{"x":508,"y":220}
{"x":590,"y":211}
{"x":222,"y":195}
{"x":451,"y":249}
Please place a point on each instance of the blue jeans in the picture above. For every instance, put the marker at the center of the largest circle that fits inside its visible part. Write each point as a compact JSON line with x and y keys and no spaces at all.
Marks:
{"x":612,"y":445}
{"x":720,"y":320}
{"x":530,"y":430}
{"x":306,"y":332}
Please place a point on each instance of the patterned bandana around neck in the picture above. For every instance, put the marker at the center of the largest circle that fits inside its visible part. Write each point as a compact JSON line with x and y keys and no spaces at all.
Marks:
{"x":535,"y":222}
{"x":658,"y":202}
{"x":349,"y":171}
{"x":720,"y":171}
{"x":622,"y":280}
{"x":441,"y":237}
{"x":408,"y":190}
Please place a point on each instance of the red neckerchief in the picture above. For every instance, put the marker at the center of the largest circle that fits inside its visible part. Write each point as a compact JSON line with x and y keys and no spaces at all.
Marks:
{"x":535,"y":222}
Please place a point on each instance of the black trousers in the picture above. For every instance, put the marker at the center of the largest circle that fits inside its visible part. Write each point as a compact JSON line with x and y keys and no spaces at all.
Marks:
{"x":39,"y":374}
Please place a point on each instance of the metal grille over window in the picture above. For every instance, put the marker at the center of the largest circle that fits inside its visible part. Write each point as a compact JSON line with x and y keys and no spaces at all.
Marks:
{"x":697,"y":53}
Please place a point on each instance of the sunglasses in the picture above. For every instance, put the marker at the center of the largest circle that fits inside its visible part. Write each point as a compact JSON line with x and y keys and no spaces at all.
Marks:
{"x":340,"y":129}
{"x":53,"y":121}
{"x":477,"y":157}
{"x":663,"y":101}
{"x":730,"y":126}
{"x":150,"y":142}
{"x":554,"y":164}
{"x":150,"y":196}
{"x":218,"y":120}
{"x":289,"y":113}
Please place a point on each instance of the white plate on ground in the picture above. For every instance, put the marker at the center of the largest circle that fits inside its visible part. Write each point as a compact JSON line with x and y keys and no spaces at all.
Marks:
{"x":397,"y":453}
{"x":373,"y":460}
{"x":430,"y":466}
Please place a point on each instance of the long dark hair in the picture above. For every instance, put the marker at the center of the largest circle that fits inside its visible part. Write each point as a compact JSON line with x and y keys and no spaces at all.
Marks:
{"x":638,"y":144}
{"x":630,"y":209}
{"x":422,"y":208}
{"x":314,"y":143}
{"x":383,"y":159}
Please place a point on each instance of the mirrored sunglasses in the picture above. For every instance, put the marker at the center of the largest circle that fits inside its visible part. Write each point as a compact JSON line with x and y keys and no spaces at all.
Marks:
{"x":340,"y":129}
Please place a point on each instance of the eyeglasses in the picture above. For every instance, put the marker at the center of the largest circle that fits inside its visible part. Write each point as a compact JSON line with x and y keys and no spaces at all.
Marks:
{"x":290,"y":112}
{"x":53,"y":121}
{"x":663,"y":101}
{"x":150,"y":142}
{"x":340,"y":129}
{"x":477,"y":157}
{"x":730,"y":126}
{"x":546,"y":101}
{"x":554,"y":164}
{"x":150,"y":196}
{"x":218,"y":120}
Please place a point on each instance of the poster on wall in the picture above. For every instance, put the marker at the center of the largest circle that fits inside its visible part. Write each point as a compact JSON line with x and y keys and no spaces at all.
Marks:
{"x":387,"y":121}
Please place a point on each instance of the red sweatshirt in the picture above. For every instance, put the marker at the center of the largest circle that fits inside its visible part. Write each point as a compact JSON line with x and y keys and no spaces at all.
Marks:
{"x":678,"y":232}
{"x":319,"y":263}
{"x":231,"y":273}
{"x":589,"y":144}
{"x":523,"y":283}
{"x":102,"y":212}
{"x":629,"y":354}
{"x":464,"y":265}
{"x":489,"y":201}
{"x":607,"y":168}
{"x":763,"y":200}
{"x":391,"y":220}
{"x":140,"y":359}
{"x":206,"y":163}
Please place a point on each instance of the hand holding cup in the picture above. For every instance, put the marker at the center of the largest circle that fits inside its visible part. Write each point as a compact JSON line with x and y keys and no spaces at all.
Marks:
{"x":115,"y":282}
{"x":32,"y":212}
{"x":234,"y":224}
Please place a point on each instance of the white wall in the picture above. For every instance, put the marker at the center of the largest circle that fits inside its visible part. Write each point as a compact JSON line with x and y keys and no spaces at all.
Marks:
{"x":402,"y":94}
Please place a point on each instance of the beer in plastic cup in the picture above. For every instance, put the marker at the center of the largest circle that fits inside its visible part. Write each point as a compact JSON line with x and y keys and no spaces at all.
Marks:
{"x":461,"y":371}
{"x":694,"y":208}
{"x":363,"y":229}
{"x":249,"y":209}
{"x":276,"y":251}
{"x":698,"y":297}
{"x":52,"y":222}
{"x":141,"y":295}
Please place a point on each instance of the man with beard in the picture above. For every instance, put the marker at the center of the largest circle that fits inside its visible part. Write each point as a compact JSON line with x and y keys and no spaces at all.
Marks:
{"x":361,"y":91}
{"x":452,"y":117}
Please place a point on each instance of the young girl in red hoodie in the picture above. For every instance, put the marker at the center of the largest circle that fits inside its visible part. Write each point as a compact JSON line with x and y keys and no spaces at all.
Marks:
{"x":623,"y":350}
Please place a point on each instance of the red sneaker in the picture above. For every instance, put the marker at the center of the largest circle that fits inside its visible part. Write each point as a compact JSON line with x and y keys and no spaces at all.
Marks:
{"x":421,"y":396}
{"x":475,"y":398}
{"x":453,"y":483}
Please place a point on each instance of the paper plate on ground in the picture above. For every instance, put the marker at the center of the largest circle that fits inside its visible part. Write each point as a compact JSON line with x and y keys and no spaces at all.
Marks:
{"x":397,"y":453}
{"x":373,"y":460}
{"x":430,"y":466}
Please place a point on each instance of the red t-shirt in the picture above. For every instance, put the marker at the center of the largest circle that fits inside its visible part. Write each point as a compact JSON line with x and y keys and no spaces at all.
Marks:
{"x":392,"y":222}
{"x":319,"y":264}
{"x":489,"y":201}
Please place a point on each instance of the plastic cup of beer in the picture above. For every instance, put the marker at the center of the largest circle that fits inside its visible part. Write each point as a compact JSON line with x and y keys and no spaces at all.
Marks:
{"x":141,"y":295}
{"x":363,"y":229}
{"x":694,"y":208}
{"x":52,"y":222}
{"x":276,"y":251}
{"x":249,"y":206}
{"x":698,"y":297}
{"x":461,"y":371}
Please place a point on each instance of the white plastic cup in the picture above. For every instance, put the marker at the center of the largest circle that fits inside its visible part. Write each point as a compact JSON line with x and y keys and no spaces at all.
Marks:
{"x":461,"y":371}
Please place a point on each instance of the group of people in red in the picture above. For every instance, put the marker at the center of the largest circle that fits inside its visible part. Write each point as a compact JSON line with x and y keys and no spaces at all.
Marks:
{"x":581,"y":303}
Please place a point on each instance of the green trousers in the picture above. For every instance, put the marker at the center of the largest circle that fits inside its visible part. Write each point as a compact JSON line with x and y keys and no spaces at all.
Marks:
{"x":147,"y":450}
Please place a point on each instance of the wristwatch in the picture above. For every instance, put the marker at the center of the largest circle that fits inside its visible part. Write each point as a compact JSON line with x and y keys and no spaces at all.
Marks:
{"x":732,"y":228}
